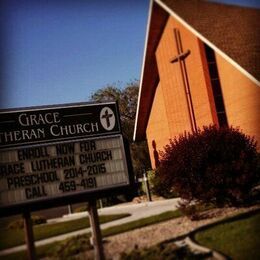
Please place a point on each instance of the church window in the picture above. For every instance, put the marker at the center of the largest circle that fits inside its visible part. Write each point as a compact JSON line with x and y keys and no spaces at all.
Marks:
{"x":216,"y":86}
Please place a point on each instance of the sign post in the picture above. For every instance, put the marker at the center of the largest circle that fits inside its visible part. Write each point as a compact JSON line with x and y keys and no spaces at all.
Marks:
{"x":59,"y":155}
{"x":147,"y":188}
{"x":29,"y":238}
{"x":96,"y":238}
{"x":69,"y":209}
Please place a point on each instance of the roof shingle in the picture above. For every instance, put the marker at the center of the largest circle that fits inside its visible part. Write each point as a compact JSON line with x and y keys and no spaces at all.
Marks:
{"x":233,"y":29}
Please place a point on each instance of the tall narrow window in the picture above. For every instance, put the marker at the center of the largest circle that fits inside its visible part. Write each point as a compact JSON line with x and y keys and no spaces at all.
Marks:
{"x":216,"y":87}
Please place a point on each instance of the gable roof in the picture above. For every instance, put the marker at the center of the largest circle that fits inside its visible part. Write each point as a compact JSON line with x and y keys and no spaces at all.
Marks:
{"x":232,"y":31}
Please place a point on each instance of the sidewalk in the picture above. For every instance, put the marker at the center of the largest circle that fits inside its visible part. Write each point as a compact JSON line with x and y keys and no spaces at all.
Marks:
{"x":137,"y":211}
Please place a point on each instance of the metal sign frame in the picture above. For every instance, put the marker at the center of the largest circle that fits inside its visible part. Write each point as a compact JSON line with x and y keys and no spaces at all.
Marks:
{"x":64,"y":199}
{"x":56,"y":123}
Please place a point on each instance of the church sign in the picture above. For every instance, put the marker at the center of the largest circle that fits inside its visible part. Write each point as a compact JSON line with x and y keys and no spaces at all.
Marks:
{"x":42,"y":125}
{"x":59,"y":153}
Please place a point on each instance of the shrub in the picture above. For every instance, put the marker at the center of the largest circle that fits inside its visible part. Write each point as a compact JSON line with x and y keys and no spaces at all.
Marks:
{"x":258,"y":166}
{"x":194,"y":211}
{"x":19,"y":223}
{"x":160,"y":188}
{"x":214,"y":165}
{"x":164,"y":251}
{"x":80,"y":209}
{"x":70,"y":247}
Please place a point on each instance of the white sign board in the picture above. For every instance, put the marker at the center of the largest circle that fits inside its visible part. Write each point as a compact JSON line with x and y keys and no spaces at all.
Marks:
{"x":62,"y":169}
{"x":55,"y":155}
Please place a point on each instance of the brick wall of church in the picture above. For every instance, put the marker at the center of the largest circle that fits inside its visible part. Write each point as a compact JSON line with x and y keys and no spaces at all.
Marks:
{"x":169,"y":115}
{"x":157,"y":131}
{"x":171,"y":89}
{"x":241,"y":98}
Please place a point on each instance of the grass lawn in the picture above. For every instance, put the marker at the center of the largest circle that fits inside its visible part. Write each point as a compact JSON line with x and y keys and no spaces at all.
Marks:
{"x":141,"y":223}
{"x":14,"y":237}
{"x":40,"y":251}
{"x":239,"y":239}
{"x":78,"y":244}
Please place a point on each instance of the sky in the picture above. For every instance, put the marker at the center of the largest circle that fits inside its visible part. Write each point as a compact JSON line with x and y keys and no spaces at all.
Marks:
{"x":62,"y":51}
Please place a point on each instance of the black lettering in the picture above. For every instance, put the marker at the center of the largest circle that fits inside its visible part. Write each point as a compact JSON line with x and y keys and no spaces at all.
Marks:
{"x":11,"y":169}
{"x":95,"y":157}
{"x":32,"y":153}
{"x":96,"y":169}
{"x":67,"y":186}
{"x":35,"y":192}
{"x":62,"y":149}
{"x":54,"y":163}
{"x":32,"y":179}
{"x":10,"y":182}
{"x":89,"y":183}
{"x":87,"y":146}
{"x":73,"y":173}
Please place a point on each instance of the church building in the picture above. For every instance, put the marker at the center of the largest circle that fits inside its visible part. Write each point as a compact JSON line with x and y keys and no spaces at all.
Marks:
{"x":201,"y":66}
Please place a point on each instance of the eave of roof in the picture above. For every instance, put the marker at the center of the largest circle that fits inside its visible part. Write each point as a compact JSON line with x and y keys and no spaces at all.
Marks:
{"x":232,"y":31}
{"x":203,"y":13}
{"x":149,"y":76}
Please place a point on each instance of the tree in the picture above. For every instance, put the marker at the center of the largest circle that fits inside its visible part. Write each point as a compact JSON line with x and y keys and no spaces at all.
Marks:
{"x":127,"y":98}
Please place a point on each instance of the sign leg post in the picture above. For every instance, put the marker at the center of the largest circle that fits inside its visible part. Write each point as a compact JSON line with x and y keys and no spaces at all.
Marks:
{"x":146,"y":183}
{"x":96,"y":232}
{"x":29,"y":235}
{"x":69,"y":209}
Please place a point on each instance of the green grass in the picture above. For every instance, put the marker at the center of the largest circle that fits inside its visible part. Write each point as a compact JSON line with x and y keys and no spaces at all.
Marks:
{"x":41,"y":252}
{"x":238,"y":239}
{"x":10,"y":238}
{"x":141,"y":223}
{"x":71,"y":242}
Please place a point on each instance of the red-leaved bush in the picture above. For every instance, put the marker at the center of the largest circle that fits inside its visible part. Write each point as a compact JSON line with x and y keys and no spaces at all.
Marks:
{"x":214,"y":165}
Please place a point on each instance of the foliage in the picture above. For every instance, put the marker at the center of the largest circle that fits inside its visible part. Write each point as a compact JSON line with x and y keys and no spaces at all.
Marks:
{"x":51,"y":248}
{"x":19,"y":223}
{"x":140,"y":157}
{"x":127,"y":99}
{"x":10,"y":238}
{"x":159,"y":187}
{"x":214,"y":165}
{"x":141,"y":222}
{"x":163,"y":251}
{"x":194,"y":211}
{"x":71,"y":246}
{"x":239,"y":239}
{"x":80,"y":209}
{"x":127,"y":102}
{"x":258,"y":165}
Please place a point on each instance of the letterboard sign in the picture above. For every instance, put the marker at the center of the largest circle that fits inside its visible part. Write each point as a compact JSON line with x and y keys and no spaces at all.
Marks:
{"x":58,"y":153}
{"x":57,"y":123}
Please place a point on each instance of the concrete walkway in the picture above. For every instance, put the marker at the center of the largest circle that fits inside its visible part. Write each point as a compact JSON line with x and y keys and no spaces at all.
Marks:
{"x":137,"y":211}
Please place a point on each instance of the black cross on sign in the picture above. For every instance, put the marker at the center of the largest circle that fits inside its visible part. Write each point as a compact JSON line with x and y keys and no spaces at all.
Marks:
{"x":107,"y":116}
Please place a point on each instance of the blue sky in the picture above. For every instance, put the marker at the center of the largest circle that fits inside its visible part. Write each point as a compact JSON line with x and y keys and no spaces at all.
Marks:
{"x":61,"y":51}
